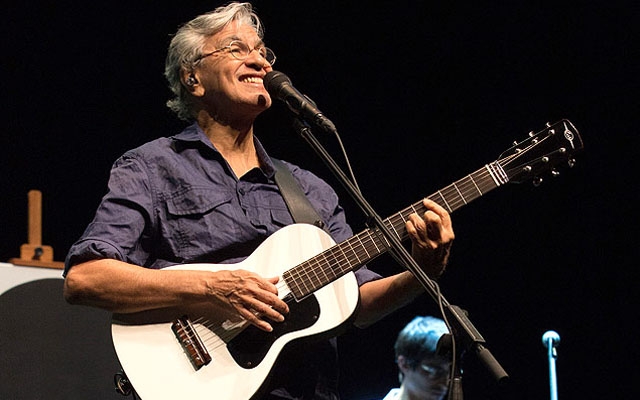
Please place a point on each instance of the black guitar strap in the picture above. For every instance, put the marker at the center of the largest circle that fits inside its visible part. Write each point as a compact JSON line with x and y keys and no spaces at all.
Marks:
{"x":298,"y":204}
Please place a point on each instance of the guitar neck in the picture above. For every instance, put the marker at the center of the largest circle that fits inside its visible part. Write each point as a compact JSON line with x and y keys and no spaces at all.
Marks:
{"x":356,"y":251}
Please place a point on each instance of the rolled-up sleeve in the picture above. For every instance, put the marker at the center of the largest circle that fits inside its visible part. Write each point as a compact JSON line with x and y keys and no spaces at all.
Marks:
{"x":118,"y":228}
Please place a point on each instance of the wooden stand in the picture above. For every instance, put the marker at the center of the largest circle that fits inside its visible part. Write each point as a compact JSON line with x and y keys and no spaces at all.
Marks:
{"x":34,"y":253}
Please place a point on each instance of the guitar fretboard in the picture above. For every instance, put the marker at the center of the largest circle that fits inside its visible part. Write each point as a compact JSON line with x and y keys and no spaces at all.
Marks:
{"x":354,"y":252}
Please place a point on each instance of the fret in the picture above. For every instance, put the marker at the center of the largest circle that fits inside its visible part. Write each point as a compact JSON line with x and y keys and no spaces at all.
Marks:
{"x":323,"y":270}
{"x":353,"y":250}
{"x":395,"y":230}
{"x":332,"y":261}
{"x":364,"y":247}
{"x":452,"y":197}
{"x":295,"y":281}
{"x":474,"y":184}
{"x":378,"y":251}
{"x":444,"y":201}
{"x":460,"y":193}
{"x":468,"y":189}
{"x":313,"y":274}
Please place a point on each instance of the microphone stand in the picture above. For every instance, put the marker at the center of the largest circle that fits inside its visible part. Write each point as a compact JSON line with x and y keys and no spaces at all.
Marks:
{"x":463,"y":330}
{"x":550,"y":339}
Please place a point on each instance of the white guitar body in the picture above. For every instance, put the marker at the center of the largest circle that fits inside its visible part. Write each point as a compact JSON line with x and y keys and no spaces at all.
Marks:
{"x":159,"y":368}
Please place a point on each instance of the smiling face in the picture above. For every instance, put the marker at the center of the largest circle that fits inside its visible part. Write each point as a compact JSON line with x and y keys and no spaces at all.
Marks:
{"x":228,"y":87}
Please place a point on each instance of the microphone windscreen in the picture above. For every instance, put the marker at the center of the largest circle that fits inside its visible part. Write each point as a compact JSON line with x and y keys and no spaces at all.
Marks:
{"x":273,"y":81}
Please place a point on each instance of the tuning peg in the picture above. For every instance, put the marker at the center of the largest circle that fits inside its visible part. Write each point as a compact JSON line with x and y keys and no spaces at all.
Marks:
{"x":571,"y":162}
{"x":555,"y":173}
{"x":517,"y":149}
{"x":537,"y":181}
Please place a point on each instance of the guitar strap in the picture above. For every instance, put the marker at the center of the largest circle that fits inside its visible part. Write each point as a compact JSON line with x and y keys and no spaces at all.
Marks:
{"x":299,"y":206}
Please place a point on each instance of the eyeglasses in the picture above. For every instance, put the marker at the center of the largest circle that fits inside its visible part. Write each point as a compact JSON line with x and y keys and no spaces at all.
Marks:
{"x":240,"y":51}
{"x":435,"y":372}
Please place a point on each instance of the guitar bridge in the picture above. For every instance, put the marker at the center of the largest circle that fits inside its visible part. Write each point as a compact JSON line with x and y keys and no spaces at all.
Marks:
{"x":190,"y":342}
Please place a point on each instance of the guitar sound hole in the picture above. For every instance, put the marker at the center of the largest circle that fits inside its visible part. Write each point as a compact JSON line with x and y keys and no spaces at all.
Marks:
{"x":250,"y":347}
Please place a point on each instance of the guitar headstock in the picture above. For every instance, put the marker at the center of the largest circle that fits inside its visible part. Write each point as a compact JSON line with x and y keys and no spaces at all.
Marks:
{"x":541,"y":152}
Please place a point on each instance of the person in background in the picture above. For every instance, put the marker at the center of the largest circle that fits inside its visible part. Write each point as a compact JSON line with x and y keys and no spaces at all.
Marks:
{"x":423,"y":366}
{"x":208,"y":195}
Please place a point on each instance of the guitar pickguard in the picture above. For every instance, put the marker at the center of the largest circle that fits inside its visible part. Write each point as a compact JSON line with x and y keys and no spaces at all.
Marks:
{"x":250,"y":347}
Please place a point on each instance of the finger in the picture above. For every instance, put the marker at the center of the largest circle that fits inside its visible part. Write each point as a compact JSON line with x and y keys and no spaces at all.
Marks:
{"x":438,"y":210}
{"x":265,"y":302}
{"x":434,"y":225}
{"x":444,"y":225}
{"x":269,"y":284}
{"x":411,"y":226}
{"x":417,"y":229}
{"x":265,"y":292}
{"x":252,"y":318}
{"x":273,"y":300}
{"x":257,"y":313}
{"x":275,"y":307}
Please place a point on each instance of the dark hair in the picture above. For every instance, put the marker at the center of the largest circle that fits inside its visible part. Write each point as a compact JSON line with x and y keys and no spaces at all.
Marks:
{"x":419,"y":339}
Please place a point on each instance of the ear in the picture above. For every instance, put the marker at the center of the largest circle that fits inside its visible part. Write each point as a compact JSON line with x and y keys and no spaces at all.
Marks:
{"x":191,"y":82}
{"x":403,"y":366}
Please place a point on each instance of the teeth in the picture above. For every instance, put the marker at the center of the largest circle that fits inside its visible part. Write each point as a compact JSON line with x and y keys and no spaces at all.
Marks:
{"x":252,"y":79}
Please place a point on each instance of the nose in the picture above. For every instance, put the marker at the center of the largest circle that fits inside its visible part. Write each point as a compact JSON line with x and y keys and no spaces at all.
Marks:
{"x":255,"y":59}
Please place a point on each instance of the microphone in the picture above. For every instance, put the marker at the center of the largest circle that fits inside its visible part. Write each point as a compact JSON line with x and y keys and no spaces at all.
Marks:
{"x":280,"y":87}
{"x":550,"y":338}
{"x":444,"y":347}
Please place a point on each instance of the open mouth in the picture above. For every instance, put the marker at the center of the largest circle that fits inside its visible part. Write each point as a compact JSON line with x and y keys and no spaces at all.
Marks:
{"x":251,"y":79}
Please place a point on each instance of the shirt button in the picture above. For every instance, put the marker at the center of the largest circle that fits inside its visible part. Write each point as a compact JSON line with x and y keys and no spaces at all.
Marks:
{"x":241,"y":191}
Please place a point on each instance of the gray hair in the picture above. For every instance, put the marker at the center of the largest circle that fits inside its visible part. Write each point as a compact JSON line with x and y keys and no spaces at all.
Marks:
{"x":188,"y":42}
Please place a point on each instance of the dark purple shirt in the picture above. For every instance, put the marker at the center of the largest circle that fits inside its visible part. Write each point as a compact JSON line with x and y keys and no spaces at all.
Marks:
{"x":176,"y":200}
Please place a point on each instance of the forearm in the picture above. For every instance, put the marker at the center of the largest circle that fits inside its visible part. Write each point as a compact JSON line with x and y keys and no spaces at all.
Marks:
{"x":120,"y":287}
{"x":383,"y":296}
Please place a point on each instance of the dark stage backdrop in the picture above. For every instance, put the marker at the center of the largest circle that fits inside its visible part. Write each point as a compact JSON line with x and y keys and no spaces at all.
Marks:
{"x":422,"y":93}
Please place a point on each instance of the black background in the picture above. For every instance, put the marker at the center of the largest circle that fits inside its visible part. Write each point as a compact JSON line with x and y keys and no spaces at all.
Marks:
{"x":422,"y":95}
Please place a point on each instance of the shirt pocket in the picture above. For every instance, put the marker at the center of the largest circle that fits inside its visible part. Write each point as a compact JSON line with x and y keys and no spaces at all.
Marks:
{"x":199,"y":222}
{"x":195,"y":201}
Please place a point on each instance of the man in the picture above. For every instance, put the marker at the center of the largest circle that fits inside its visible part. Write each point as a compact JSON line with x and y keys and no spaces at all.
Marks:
{"x":208,"y":195}
{"x":424,"y":369}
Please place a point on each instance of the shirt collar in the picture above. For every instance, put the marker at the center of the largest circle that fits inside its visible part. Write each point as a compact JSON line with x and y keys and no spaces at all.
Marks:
{"x":193,"y":134}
